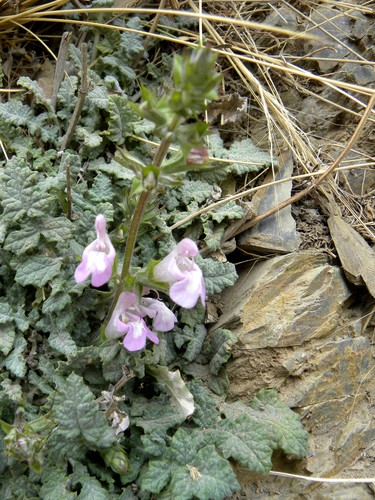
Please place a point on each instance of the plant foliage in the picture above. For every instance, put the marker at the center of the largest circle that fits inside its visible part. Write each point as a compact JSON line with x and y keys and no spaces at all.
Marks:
{"x":83,"y":418}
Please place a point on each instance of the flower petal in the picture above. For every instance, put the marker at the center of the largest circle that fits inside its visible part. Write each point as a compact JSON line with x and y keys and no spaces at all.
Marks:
{"x":186,"y":292}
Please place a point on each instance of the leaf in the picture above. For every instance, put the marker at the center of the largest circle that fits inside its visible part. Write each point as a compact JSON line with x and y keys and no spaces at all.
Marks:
{"x":101,"y":189}
{"x":21,"y":193}
{"x":121,"y":119}
{"x":207,"y":477}
{"x":56,"y":484}
{"x":62,"y":342}
{"x":89,"y":138}
{"x":157,"y":476}
{"x":16,"y":362}
{"x":192,"y":317}
{"x":98,"y":97}
{"x":217,"y":275}
{"x":37,"y":270}
{"x":8,"y":313}
{"x":264,"y":426}
{"x":230,"y":211}
{"x":91,"y":489}
{"x":220,"y":349}
{"x":36,"y":90}
{"x":153,"y":415}
{"x":154,"y":443}
{"x":181,"y":397}
{"x":15,"y":113}
{"x":194,"y":337}
{"x":79,"y":420}
{"x":7,"y":337}
{"x":20,"y":242}
{"x":205,"y":414}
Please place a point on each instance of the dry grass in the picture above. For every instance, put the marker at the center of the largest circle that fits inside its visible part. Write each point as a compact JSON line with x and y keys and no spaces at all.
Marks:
{"x":257,"y":61}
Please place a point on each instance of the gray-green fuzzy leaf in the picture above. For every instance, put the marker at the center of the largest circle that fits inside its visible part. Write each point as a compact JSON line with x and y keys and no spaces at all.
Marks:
{"x":37,"y":270}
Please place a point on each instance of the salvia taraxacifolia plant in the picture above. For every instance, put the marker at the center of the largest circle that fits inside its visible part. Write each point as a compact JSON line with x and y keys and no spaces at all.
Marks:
{"x":111,"y":386}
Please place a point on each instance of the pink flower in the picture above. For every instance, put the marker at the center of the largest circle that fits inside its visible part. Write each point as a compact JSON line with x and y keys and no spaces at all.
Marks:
{"x":127,"y":319}
{"x":182,"y":273}
{"x":98,"y":257}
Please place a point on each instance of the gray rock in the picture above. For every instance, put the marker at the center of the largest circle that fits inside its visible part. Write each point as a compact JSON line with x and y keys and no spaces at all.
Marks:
{"x":277,"y":233}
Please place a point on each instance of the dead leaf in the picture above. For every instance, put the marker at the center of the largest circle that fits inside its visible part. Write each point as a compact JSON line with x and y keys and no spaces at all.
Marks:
{"x":231,"y":107}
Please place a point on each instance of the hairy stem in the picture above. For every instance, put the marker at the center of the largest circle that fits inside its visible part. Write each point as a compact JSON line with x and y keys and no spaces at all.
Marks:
{"x":138,"y":216}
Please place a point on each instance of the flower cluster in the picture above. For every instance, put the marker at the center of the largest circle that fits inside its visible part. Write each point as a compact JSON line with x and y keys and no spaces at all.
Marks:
{"x":178,"y":269}
{"x":127,"y":319}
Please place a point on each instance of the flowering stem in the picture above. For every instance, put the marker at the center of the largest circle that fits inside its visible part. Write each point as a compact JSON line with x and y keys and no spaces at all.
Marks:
{"x":138,"y":215}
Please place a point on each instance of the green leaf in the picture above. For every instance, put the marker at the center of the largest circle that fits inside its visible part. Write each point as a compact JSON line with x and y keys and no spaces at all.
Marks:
{"x":217,"y":275}
{"x":153,"y":415}
{"x":220,"y":349}
{"x":121,"y":119}
{"x":157,"y":476}
{"x":7,"y":337}
{"x":205,"y":414}
{"x":37,"y":270}
{"x":16,"y":362}
{"x":20,"y":242}
{"x":9,"y":313}
{"x":192,"y":317}
{"x":21,"y":193}
{"x":80,"y":422}
{"x":36,"y":90}
{"x":264,"y":426}
{"x":62,"y":342}
{"x":230,"y":211}
{"x":15,"y":113}
{"x":91,"y":489}
{"x":194,"y":337}
{"x":89,"y":138}
{"x":101,"y":189}
{"x":180,"y":396}
{"x":56,"y":484}
{"x":207,"y":477}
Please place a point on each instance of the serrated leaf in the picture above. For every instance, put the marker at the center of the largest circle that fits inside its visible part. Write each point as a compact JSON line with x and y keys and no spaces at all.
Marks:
{"x":264,"y":426}
{"x":23,"y":240}
{"x":208,"y":477}
{"x":36,"y":90}
{"x":154,"y":416}
{"x":156,"y":476}
{"x":220,"y":349}
{"x":7,"y":337}
{"x":101,"y":189}
{"x":113,"y":168}
{"x":16,"y":362}
{"x":230,"y":211}
{"x":98,"y":97}
{"x":213,"y":234}
{"x":62,"y":342}
{"x":217,"y":275}
{"x":37,"y":270}
{"x":91,"y":489}
{"x":89,"y":138}
{"x":56,"y":484}
{"x":192,"y":317}
{"x":15,"y":113}
{"x":21,"y":193}
{"x":205,"y":414}
{"x":180,"y":396}
{"x":154,"y":443}
{"x":9,"y":313}
{"x":79,"y":420}
{"x":194,"y":338}
{"x":121,"y":119}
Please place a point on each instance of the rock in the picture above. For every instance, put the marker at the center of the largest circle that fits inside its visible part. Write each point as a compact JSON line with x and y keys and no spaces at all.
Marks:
{"x":285,"y":301}
{"x":332,"y":32}
{"x":295,"y":334}
{"x":277,"y":233}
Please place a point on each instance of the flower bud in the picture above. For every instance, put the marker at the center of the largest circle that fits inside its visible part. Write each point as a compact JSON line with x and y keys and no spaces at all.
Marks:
{"x":116,"y":459}
{"x":198,"y":156}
